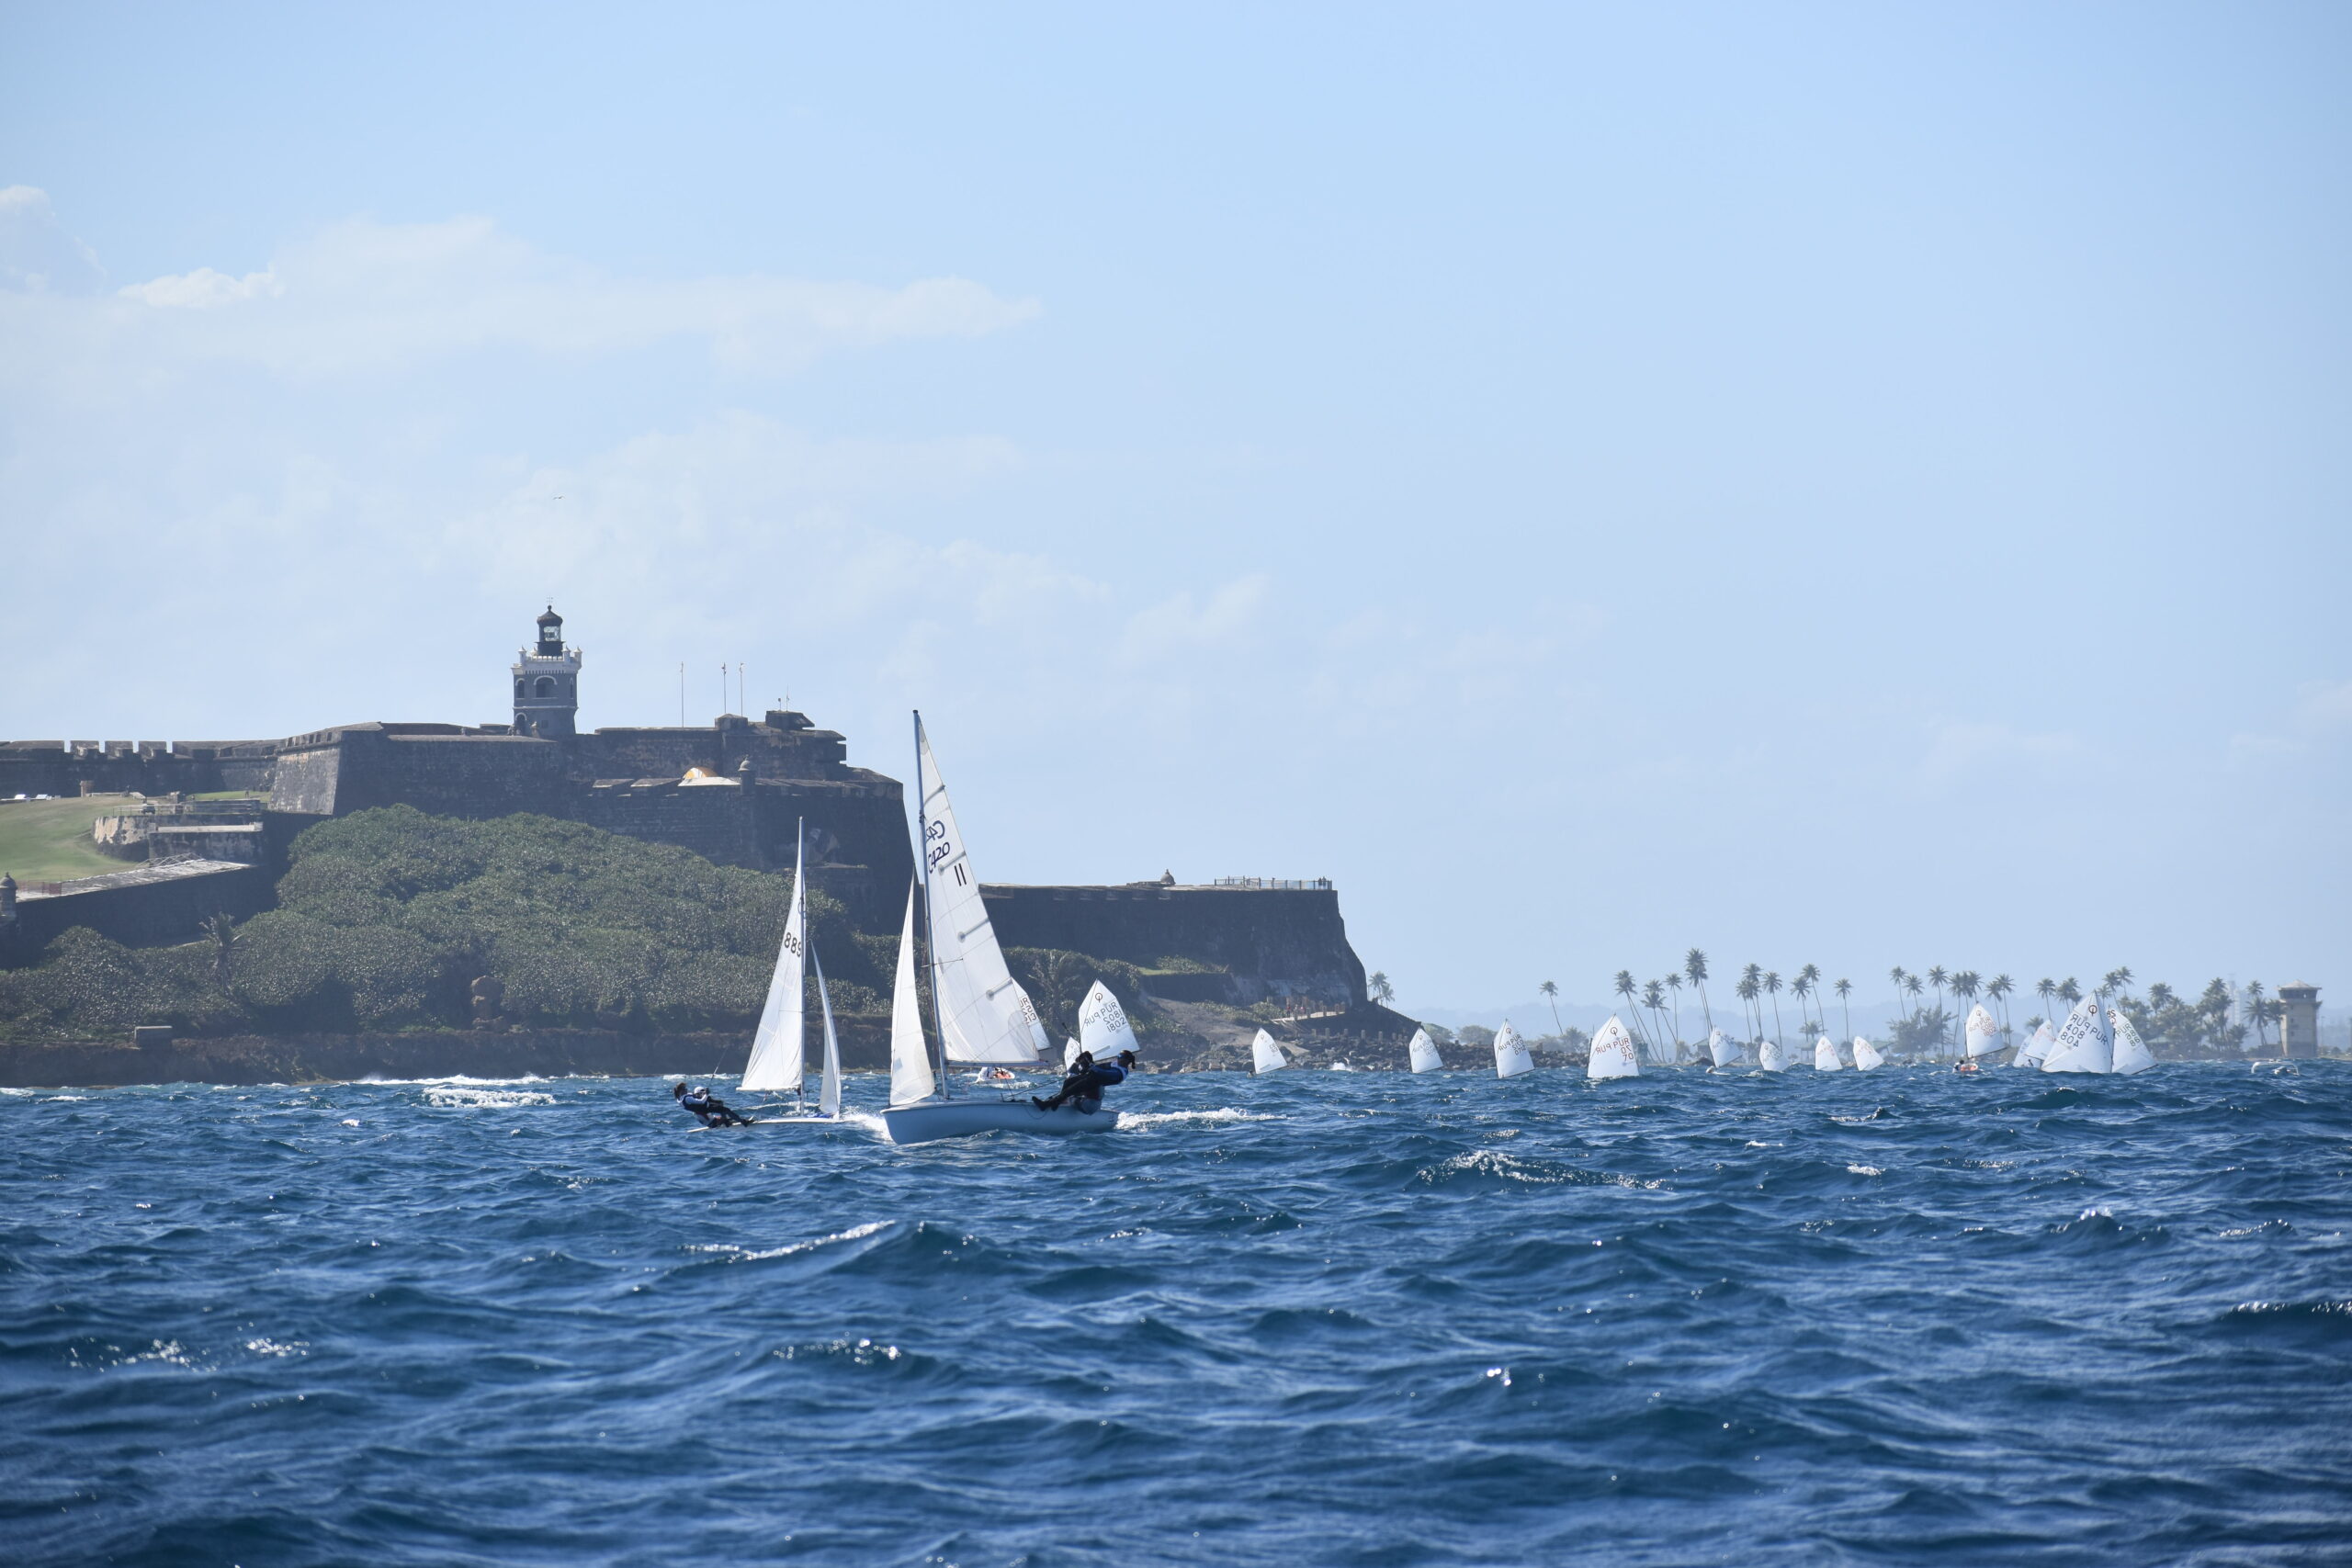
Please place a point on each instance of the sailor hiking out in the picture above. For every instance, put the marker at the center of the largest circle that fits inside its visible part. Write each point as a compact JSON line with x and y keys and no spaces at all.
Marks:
{"x":711,"y":1110}
{"x":1087,"y":1081}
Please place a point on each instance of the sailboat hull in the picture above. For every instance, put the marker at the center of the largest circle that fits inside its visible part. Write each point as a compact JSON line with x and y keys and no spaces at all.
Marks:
{"x":933,"y":1120}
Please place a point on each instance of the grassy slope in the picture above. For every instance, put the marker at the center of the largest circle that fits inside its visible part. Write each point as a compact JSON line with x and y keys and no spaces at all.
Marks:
{"x":49,"y":840}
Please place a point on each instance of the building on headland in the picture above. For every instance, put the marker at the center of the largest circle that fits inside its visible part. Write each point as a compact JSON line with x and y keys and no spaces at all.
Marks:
{"x":2299,"y":1020}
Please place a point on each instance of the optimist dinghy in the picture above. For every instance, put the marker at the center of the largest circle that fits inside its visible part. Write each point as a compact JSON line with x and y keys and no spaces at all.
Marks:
{"x":982,"y":1013}
{"x":1866,"y":1055}
{"x":1772,"y":1057}
{"x":1726,"y":1053}
{"x":1612,"y":1055}
{"x":1982,"y":1036}
{"x":2083,"y":1044}
{"x":2032,"y":1053}
{"x":1265,"y":1056}
{"x":1824,"y":1055}
{"x":1422,"y":1053}
{"x":2131,"y":1053}
{"x":1511,"y":1054}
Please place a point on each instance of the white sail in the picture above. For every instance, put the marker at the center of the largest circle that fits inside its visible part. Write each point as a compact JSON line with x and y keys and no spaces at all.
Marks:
{"x":1726,"y":1053}
{"x":1866,"y":1055}
{"x":776,"y":1052}
{"x":1069,"y":1053}
{"x":2083,"y":1045}
{"x":1983,"y":1034}
{"x":1103,"y":1026}
{"x":1612,"y":1055}
{"x":2131,"y":1053}
{"x":984,"y":1015}
{"x":2032,"y":1051}
{"x":910,"y":1076}
{"x":1422,"y":1053}
{"x":828,"y":1095}
{"x":1265,"y":1056}
{"x":1824,"y":1055}
{"x":1511,"y":1054}
{"x":1770,"y":1057}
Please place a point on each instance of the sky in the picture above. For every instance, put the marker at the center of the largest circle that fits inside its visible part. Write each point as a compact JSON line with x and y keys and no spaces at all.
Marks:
{"x":1860,"y":485}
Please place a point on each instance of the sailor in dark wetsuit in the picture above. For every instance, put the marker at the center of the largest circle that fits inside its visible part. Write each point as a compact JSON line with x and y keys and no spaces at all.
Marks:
{"x":1087,"y":1081}
{"x":708,"y":1108}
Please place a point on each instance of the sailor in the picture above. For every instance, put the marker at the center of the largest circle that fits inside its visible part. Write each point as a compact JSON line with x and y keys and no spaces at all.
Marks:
{"x":708,"y":1108}
{"x":1087,"y":1081}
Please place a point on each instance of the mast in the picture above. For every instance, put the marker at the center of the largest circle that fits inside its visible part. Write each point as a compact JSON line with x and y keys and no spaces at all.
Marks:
{"x":931,"y":937}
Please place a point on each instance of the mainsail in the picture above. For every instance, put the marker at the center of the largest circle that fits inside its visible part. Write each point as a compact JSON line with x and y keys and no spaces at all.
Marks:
{"x":910,"y":1076}
{"x":775,"y":1060}
{"x":1070,"y":1048}
{"x":828,"y":1097}
{"x":984,"y":1016}
{"x":1511,"y":1054}
{"x":1103,"y":1026}
{"x":1866,"y":1055}
{"x":2131,"y":1053}
{"x":2031,"y":1053}
{"x":1983,"y":1034}
{"x":1824,"y":1055}
{"x":1265,"y":1056}
{"x":1726,"y":1053}
{"x":1770,"y":1057}
{"x":1612,"y":1055}
{"x":1422,"y":1053}
{"x":2083,"y":1045}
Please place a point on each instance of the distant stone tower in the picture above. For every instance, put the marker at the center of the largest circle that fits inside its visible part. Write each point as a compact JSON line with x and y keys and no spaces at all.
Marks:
{"x":2299,"y":1024}
{"x":546,"y":685}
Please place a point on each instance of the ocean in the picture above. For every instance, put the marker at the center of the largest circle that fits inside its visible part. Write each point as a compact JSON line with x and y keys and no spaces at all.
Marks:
{"x":1317,"y":1317}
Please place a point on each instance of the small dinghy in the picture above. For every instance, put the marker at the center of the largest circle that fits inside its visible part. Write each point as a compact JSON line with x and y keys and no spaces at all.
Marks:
{"x":1102,"y":1028}
{"x":2036,"y":1049}
{"x":776,"y":1065}
{"x":1265,"y":1056}
{"x":2131,"y":1053}
{"x":1422,"y":1053}
{"x":1981,"y":1034}
{"x":1724,"y":1052}
{"x":1825,"y":1056}
{"x":1511,"y":1054}
{"x":1772,"y":1057}
{"x":983,"y":1015}
{"x":1866,"y":1055}
{"x":1612,"y":1055}
{"x":2082,"y":1043}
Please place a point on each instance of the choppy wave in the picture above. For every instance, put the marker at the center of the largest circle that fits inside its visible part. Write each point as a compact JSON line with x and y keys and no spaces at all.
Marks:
{"x":1330,"y":1317}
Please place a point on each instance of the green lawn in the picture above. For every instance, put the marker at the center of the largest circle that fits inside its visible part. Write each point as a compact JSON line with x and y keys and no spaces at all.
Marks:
{"x":49,"y":840}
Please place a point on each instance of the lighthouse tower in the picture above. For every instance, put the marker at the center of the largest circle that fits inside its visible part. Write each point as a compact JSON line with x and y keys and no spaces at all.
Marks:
{"x":547,"y":684}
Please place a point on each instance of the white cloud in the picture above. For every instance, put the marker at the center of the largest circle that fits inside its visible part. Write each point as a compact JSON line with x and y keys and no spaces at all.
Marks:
{"x":363,"y":297}
{"x":37,"y":255}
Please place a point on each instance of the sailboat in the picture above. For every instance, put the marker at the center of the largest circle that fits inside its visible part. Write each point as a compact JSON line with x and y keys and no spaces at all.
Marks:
{"x":1866,"y":1055}
{"x":1612,"y":1055}
{"x":777,"y":1062}
{"x":1422,"y":1053}
{"x":2031,"y":1053}
{"x":1982,"y":1036}
{"x":1824,"y":1055}
{"x":1726,"y":1053}
{"x":1103,"y":1027}
{"x":2131,"y":1053}
{"x":983,"y":1015}
{"x":1511,"y":1054}
{"x":2083,"y":1044}
{"x":1265,"y":1056}
{"x":1772,"y":1057}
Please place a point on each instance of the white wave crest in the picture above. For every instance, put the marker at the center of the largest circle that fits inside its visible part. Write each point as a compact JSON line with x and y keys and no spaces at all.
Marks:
{"x":484,"y":1098}
{"x":1865,"y":1171}
{"x":736,"y":1254}
{"x":1143,"y":1119}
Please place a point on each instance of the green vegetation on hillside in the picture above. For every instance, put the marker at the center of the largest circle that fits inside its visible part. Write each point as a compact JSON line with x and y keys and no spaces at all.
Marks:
{"x":49,"y":840}
{"x":387,"y":917}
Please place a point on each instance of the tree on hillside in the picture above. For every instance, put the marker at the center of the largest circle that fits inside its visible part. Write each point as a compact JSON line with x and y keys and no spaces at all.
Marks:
{"x":1694,"y":966}
{"x":1379,"y":989}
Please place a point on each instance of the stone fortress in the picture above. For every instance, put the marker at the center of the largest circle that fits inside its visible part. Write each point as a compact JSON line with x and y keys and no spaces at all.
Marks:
{"x":732,"y":791}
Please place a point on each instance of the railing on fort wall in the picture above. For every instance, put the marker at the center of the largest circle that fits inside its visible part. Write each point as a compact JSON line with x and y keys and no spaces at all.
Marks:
{"x":1318,"y":884}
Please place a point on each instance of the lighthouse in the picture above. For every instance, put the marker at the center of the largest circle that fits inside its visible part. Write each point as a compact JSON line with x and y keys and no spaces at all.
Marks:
{"x":547,"y":684}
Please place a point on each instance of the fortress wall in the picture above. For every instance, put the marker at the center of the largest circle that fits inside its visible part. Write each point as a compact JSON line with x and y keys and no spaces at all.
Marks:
{"x":139,"y":914}
{"x":146,"y":767}
{"x":774,"y":752}
{"x":1273,"y":941}
{"x":858,"y":849}
{"x":715,"y":821}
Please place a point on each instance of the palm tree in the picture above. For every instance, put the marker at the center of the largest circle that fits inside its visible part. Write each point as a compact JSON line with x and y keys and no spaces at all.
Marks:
{"x":1999,"y":989}
{"x":1898,"y":976}
{"x":1379,"y":989}
{"x":222,"y":932}
{"x":1551,"y":993}
{"x":2116,"y":981}
{"x":1626,"y":988}
{"x":1936,"y":978}
{"x":1674,"y":989}
{"x":2069,"y":992}
{"x":2047,"y":990}
{"x":1653,"y":998}
{"x":1810,"y":975}
{"x":1694,"y":965}
{"x":1772,"y":985}
{"x":1845,"y":989}
{"x":1911,"y":983}
{"x":1750,"y":987}
{"x":1804,"y":989}
{"x":2257,"y":1013}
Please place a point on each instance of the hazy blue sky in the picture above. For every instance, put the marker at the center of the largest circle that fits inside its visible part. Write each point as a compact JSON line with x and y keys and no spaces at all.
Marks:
{"x":1843,"y":484}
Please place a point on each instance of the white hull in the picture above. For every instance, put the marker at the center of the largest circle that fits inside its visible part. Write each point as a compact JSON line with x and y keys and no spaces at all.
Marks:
{"x":968,"y":1118}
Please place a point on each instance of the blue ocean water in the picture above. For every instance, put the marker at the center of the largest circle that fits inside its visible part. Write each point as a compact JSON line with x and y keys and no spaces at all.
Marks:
{"x":1317,"y":1317}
